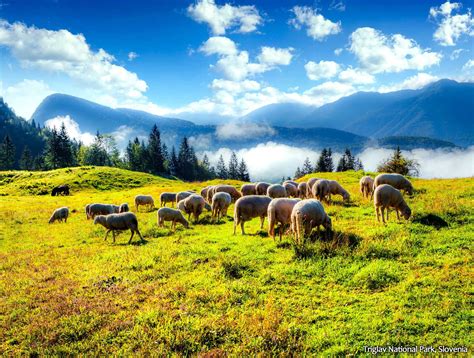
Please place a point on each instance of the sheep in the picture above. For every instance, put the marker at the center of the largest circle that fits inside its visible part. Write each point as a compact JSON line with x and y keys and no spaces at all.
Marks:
{"x":167,"y":198}
{"x":194,"y":204}
{"x":398,"y":181}
{"x":220,"y":204}
{"x":262,"y":188}
{"x":291,"y":182}
{"x":336,"y":189}
{"x":204,"y":191}
{"x":124,"y":208}
{"x":183,"y":195}
{"x":173,"y":215}
{"x":87,"y":211}
{"x":248,"y":189}
{"x":302,"y":190}
{"x":59,"y":214}
{"x":366,"y":186}
{"x":309,"y":187}
{"x":146,"y":200}
{"x":102,"y":209}
{"x":306,"y":215}
{"x":181,"y":206}
{"x":279,"y":210}
{"x":234,"y":193}
{"x":291,"y":189}
{"x":61,"y":189}
{"x":249,"y":207}
{"x":119,"y":222}
{"x":320,"y":190}
{"x":276,"y":191}
{"x":210,"y":193}
{"x":385,"y":197}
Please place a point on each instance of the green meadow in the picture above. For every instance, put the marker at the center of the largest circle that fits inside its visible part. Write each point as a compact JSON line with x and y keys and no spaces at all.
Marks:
{"x":64,"y":290}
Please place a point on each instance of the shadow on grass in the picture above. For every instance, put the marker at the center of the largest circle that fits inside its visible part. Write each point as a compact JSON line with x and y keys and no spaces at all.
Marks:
{"x":320,"y":246}
{"x":431,"y":220}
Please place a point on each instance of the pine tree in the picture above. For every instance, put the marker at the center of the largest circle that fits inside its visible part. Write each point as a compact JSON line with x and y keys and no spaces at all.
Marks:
{"x":221,"y":169}
{"x":329,"y":165}
{"x":321,"y":163}
{"x":65,"y":148}
{"x":298,"y":173}
{"x":156,"y":160}
{"x":187,"y":161}
{"x":52,"y":152}
{"x":7,"y":154}
{"x":397,"y":163}
{"x":358,"y":164}
{"x":173,"y":165}
{"x":97,"y":153}
{"x":243,"y":173}
{"x":134,"y":155}
{"x":232,"y":172}
{"x":307,"y":167}
{"x":26,"y":160}
{"x":166,"y":157}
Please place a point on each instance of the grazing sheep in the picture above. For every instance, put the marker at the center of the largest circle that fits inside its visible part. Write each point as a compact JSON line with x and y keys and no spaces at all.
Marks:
{"x":320,"y":190}
{"x":124,"y":208}
{"x":279,"y":211}
{"x":291,"y":182}
{"x":119,"y":222}
{"x":302,"y":190}
{"x":276,"y":191}
{"x":146,"y":200}
{"x":220,"y":204}
{"x":210,"y":193}
{"x":309,"y":187}
{"x":306,"y":215}
{"x":366,"y":186}
{"x":181,"y":206}
{"x":336,"y":189}
{"x":87,"y":211}
{"x":167,"y":198}
{"x":194,"y":204}
{"x":234,"y":193}
{"x":204,"y":192}
{"x":60,"y":214}
{"x":398,"y":181}
{"x":249,"y":207}
{"x":173,"y":215}
{"x":248,"y":189}
{"x":102,"y":209}
{"x":291,"y":189}
{"x":61,"y":189}
{"x":183,"y":195}
{"x":262,"y":188}
{"x":385,"y":197}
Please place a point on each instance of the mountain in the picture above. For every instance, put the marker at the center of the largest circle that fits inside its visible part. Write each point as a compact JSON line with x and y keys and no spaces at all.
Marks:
{"x":280,"y":114}
{"x":441,"y":110}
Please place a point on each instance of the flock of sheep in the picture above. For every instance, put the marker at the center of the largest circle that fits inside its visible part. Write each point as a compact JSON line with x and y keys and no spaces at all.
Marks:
{"x":297,"y":206}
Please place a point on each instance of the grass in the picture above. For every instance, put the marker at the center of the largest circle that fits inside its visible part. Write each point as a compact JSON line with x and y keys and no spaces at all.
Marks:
{"x":64,"y":290}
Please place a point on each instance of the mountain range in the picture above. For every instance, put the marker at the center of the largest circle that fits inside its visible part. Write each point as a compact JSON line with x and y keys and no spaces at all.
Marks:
{"x":437,"y":115}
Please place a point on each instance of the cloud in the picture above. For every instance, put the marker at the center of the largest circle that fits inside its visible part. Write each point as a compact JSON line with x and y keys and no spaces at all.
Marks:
{"x":356,"y":76}
{"x":456,"y":53}
{"x":132,"y":55}
{"x":238,"y":130}
{"x":338,"y":51}
{"x":378,"y":53}
{"x":317,"y":27}
{"x":469,"y":65}
{"x":414,"y":82}
{"x":329,"y":92}
{"x":222,"y":18}
{"x":321,"y":69}
{"x":434,"y":163}
{"x":63,"y":52}
{"x":235,"y":65}
{"x":451,"y":27}
{"x":337,"y":5}
{"x":235,"y":87}
{"x":72,"y":128}
{"x":25,"y":96}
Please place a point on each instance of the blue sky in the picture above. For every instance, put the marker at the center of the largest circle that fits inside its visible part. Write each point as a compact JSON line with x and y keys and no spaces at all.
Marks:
{"x":212,"y":60}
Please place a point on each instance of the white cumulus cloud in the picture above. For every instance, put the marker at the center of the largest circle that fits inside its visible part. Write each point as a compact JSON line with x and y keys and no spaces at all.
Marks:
{"x":321,"y":69}
{"x":356,"y":76}
{"x":222,"y":18}
{"x":317,"y":26}
{"x":240,"y":130}
{"x":25,"y":96}
{"x":451,"y":26}
{"x":72,"y":128}
{"x":414,"y":82}
{"x":378,"y":53}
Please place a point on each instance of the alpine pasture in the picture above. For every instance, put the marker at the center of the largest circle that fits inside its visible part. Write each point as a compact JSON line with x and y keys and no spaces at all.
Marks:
{"x":202,"y":290}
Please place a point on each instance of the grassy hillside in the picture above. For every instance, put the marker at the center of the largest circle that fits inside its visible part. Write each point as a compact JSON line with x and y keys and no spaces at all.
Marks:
{"x":65,"y":291}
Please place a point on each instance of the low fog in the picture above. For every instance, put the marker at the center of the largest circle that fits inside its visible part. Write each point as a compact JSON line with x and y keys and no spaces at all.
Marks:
{"x":271,"y":161}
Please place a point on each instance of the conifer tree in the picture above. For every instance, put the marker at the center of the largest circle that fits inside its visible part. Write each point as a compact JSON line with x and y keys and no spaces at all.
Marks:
{"x":7,"y":154}
{"x":298,"y":173}
{"x":173,"y":164}
{"x":307,"y":167}
{"x":26,"y":160}
{"x":243,"y":173}
{"x":232,"y":172}
{"x":221,"y":169}
{"x":156,"y":160}
{"x":397,"y":163}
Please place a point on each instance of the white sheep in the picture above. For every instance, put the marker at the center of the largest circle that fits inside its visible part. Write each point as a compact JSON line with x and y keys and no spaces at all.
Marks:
{"x":167,"y":198}
{"x":302,"y":190}
{"x":123,"y":208}
{"x":276,"y":191}
{"x":385,"y":197}
{"x":220,"y":204}
{"x":291,"y":189}
{"x":234,"y":193}
{"x":194,"y":204}
{"x":279,"y":211}
{"x":261,"y":188}
{"x":336,"y":189}
{"x":210,"y":193}
{"x":119,"y":222}
{"x":249,"y":207}
{"x":145,"y":200}
{"x":183,"y":195}
{"x":309,"y":187}
{"x":366,"y":184}
{"x":320,"y":190}
{"x":60,"y":214}
{"x":248,"y":189}
{"x":306,"y":215}
{"x":398,"y":181}
{"x":291,"y":182}
{"x":173,"y":215}
{"x":102,"y":209}
{"x":204,"y":191}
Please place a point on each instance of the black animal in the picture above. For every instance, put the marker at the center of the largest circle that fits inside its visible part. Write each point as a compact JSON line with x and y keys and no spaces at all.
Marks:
{"x":60,"y":190}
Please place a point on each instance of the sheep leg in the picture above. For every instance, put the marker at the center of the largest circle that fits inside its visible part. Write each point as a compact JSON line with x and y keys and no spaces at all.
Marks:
{"x":236,"y":222}
{"x":242,"y":227}
{"x":133,"y":233}
{"x":398,"y":215}
{"x":377,"y":212}
{"x":387,"y":213}
{"x":382,"y":209}
{"x":262,"y":220}
{"x":139,"y":234}
{"x":113,"y":235}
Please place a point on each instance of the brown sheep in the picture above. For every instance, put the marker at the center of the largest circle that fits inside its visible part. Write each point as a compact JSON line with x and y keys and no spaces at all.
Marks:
{"x":234,"y":193}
